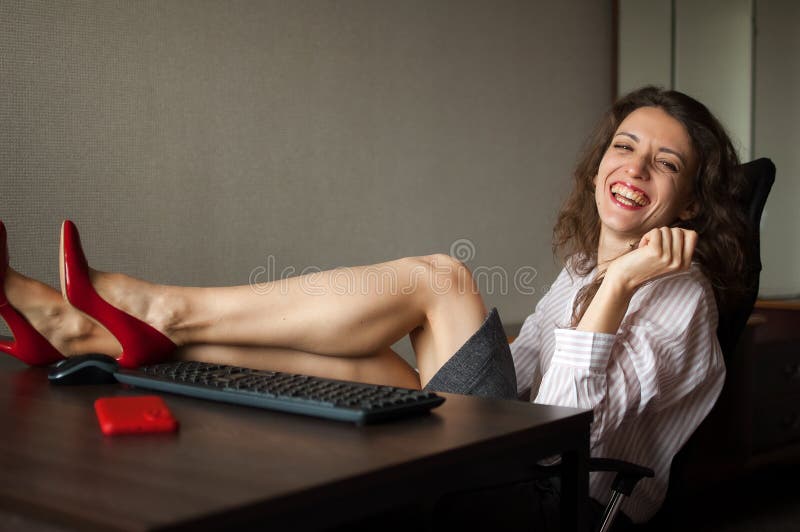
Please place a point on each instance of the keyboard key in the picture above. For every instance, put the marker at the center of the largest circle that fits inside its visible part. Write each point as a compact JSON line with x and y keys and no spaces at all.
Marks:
{"x":298,"y":394}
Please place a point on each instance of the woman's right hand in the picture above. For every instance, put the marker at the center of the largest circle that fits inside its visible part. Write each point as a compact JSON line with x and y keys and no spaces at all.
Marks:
{"x":661,"y":251}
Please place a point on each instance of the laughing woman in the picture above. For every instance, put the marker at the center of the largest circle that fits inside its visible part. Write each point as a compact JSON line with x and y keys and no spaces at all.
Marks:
{"x":652,"y":247}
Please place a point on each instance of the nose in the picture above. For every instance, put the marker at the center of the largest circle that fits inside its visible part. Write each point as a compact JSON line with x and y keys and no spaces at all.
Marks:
{"x":637,"y":168}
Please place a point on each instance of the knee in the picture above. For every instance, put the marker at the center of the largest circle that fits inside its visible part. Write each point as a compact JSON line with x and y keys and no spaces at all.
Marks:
{"x":446,"y":275}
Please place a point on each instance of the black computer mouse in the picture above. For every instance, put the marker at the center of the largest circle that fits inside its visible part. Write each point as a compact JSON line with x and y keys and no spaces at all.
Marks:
{"x":84,"y":369}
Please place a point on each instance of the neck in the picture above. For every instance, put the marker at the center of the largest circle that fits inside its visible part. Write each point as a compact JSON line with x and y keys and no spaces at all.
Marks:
{"x":613,"y":246}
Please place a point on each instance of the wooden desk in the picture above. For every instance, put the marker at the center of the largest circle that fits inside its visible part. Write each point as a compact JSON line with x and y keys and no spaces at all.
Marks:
{"x":781,"y":319}
{"x":779,"y":304}
{"x":775,"y":388}
{"x":231,"y":466}
{"x":756,"y":421}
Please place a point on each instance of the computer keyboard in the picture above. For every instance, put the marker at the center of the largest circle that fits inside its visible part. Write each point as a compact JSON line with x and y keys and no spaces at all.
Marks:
{"x":286,"y":392}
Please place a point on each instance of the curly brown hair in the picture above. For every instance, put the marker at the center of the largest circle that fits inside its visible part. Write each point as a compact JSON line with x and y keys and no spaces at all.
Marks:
{"x":717,"y":188}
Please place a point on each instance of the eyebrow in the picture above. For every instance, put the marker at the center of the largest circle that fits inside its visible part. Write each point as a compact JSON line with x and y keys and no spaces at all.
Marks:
{"x":665,"y":150}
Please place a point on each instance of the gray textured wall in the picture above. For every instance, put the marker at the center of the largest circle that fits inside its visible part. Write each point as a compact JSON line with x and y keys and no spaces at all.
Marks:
{"x":190,"y":141}
{"x":776,"y":135}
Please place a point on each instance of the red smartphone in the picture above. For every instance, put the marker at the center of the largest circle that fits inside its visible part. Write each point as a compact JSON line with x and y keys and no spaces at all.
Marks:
{"x":134,"y":415}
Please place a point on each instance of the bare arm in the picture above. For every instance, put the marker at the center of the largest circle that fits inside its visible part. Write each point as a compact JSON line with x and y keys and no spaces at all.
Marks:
{"x":661,"y":251}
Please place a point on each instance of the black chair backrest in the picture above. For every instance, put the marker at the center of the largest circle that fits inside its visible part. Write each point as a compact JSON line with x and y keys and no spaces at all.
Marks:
{"x":690,"y":469}
{"x":759,"y":177}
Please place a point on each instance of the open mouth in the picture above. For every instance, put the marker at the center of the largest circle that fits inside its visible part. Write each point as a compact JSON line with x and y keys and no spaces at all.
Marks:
{"x":629,"y":196}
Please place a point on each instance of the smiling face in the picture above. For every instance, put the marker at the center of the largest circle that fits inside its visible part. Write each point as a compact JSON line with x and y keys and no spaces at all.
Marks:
{"x":645,"y":177}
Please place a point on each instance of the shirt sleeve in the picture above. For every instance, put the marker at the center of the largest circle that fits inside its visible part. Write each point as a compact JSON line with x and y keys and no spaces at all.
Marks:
{"x":666,"y":347}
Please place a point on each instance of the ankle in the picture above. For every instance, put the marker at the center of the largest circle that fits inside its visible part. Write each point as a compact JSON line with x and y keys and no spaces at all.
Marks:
{"x":76,"y":334}
{"x":151,"y":303}
{"x":23,"y":292}
{"x":168,"y":312}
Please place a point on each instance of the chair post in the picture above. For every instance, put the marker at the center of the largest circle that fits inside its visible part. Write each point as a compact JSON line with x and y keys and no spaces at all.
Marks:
{"x":610,"y":513}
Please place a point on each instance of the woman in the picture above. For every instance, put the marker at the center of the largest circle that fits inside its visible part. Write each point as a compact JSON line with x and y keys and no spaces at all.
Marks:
{"x":649,"y":235}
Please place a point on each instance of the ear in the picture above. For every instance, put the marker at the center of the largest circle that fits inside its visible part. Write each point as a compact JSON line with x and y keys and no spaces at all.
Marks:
{"x":689,"y":212}
{"x":594,"y":181}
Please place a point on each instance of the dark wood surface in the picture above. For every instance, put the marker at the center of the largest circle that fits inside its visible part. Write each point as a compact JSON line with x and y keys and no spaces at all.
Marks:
{"x":775,"y":382}
{"x":230,"y":465}
{"x":781,"y":321}
{"x":778,"y":304}
{"x":756,"y":421}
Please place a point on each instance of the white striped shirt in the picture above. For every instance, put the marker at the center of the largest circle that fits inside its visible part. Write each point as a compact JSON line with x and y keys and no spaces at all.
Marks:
{"x":650,"y":384}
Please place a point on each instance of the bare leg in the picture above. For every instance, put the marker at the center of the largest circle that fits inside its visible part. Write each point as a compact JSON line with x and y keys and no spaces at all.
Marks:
{"x":384,"y":367}
{"x":73,"y":333}
{"x":354,"y":312}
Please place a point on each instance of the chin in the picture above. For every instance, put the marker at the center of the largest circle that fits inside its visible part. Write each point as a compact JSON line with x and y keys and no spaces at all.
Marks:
{"x":624,"y":231}
{"x":623,"y":227}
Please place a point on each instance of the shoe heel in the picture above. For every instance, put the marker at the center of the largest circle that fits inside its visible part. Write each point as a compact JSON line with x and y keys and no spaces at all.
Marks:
{"x":29,"y":345}
{"x":141,"y":343}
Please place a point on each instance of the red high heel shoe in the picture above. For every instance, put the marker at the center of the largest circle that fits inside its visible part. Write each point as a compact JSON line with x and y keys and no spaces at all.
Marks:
{"x":141,"y":343}
{"x":29,"y":345}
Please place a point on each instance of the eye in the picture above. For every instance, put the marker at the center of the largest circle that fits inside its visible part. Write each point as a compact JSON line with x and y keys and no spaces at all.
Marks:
{"x":669,"y":165}
{"x":620,"y":146}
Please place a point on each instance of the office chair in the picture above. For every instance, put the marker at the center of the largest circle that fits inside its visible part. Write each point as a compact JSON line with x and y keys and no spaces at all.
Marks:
{"x":759,"y":178}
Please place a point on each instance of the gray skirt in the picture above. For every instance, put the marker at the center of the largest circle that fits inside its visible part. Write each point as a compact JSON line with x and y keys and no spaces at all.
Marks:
{"x":482,"y":366}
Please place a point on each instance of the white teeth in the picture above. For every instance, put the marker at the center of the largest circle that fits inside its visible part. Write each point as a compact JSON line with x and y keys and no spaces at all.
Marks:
{"x":629,"y":197}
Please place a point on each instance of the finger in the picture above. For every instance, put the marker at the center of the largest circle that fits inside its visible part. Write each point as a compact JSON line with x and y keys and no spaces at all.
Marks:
{"x":689,"y":245}
{"x":653,"y":239}
{"x":645,"y":240}
{"x":666,"y":243}
{"x":677,"y":248}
